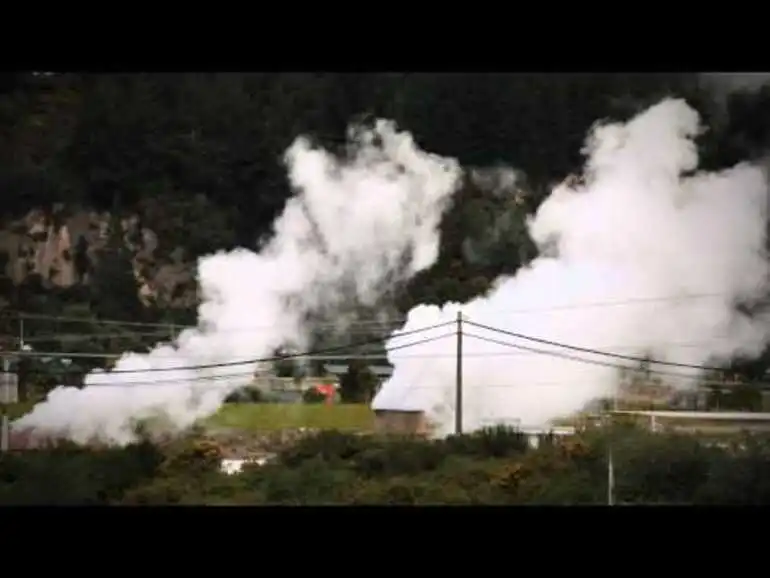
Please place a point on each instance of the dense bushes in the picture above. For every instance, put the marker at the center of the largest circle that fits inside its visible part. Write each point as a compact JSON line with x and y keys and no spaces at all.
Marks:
{"x":312,"y":395}
{"x":70,"y":475}
{"x":246,"y":394}
{"x":488,"y":467}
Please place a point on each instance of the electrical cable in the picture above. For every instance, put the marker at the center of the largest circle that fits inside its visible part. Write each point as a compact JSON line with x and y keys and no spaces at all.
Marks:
{"x":361,"y":323}
{"x":158,"y":334}
{"x":371,"y":356}
{"x":182,"y":326}
{"x":199,"y":378}
{"x":593,"y":351}
{"x":469,"y":322}
{"x":601,"y":304}
{"x":582,"y":359}
{"x":279,"y":357}
{"x":70,"y":337}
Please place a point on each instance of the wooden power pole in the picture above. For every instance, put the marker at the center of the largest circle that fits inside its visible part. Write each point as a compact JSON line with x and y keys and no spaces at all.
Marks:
{"x":459,"y":377}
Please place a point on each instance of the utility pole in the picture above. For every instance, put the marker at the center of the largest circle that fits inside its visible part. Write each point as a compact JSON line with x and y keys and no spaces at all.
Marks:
{"x":610,"y":460}
{"x":7,"y":395}
{"x":25,"y":385}
{"x":4,"y":437}
{"x":610,"y":478}
{"x":459,"y":377}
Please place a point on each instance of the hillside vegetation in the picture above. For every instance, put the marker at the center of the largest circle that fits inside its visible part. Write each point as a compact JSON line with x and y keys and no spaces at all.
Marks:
{"x":115,"y":184}
{"x":487,"y":467}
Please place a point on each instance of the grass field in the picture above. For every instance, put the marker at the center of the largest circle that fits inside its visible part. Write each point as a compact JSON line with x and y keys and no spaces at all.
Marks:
{"x":16,"y":410}
{"x":275,"y":416}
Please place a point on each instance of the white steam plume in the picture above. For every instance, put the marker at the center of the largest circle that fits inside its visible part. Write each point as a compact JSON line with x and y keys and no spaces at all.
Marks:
{"x":355,"y":227}
{"x":638,"y":228}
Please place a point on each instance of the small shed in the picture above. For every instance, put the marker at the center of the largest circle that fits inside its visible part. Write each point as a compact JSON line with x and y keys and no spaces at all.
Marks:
{"x":535,"y":435}
{"x":400,"y":422}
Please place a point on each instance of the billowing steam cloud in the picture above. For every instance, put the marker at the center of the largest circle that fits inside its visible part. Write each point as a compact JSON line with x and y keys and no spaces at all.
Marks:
{"x":672,"y":249}
{"x":355,"y":227}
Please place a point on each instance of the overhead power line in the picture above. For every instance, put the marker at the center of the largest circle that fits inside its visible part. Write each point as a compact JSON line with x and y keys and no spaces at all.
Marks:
{"x":634,"y":369}
{"x":593,"y":351}
{"x":70,"y":337}
{"x":222,"y":377}
{"x":364,"y":322}
{"x":366,"y":356}
{"x":226,"y":376}
{"x":90,"y":320}
{"x":375,"y":323}
{"x":577,"y":359}
{"x":328,"y":353}
{"x":273,"y":358}
{"x":615,"y":303}
{"x":546,"y":352}
{"x":320,"y":355}
{"x":160,"y":335}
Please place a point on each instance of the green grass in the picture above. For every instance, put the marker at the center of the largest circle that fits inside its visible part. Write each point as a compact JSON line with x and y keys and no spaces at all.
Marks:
{"x":16,"y":410}
{"x":276,"y":416}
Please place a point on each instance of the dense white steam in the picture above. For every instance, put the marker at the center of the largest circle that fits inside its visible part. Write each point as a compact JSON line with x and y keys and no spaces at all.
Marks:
{"x":645,"y":257}
{"x":355,"y":228}
{"x":640,"y":228}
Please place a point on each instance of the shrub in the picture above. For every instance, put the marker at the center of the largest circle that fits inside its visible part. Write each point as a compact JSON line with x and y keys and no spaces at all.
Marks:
{"x":483,"y":481}
{"x":393,"y":491}
{"x":496,"y":442}
{"x":248,"y":394}
{"x":424,"y":489}
{"x":82,"y":475}
{"x":121,"y":469}
{"x":161,"y":491}
{"x":312,"y":395}
{"x":738,"y":476}
{"x":358,"y":384}
{"x":399,"y":456}
{"x":314,"y":481}
{"x":661,"y":468}
{"x":551,"y":475}
{"x":568,"y":486}
{"x":191,"y":457}
{"x":329,"y":445}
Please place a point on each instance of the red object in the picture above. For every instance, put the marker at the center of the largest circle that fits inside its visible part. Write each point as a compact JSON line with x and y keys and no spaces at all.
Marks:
{"x":328,"y":390}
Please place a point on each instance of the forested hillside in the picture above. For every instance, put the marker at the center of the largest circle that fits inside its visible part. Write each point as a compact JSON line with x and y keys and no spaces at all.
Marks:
{"x":114,"y":184}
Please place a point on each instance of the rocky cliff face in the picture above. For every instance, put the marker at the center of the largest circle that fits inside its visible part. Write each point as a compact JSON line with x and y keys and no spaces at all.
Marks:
{"x":62,"y":246}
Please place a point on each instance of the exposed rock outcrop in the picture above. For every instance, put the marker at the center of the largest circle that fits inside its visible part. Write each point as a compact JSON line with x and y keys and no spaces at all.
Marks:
{"x":63,"y":247}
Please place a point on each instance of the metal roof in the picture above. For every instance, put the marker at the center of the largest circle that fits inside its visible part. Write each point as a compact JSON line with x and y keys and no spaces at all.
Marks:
{"x":706,"y":415}
{"x":339,"y":368}
{"x":558,"y":431}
